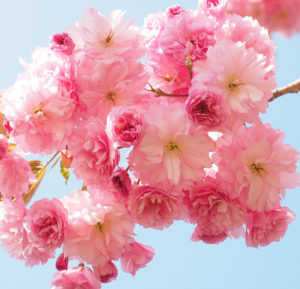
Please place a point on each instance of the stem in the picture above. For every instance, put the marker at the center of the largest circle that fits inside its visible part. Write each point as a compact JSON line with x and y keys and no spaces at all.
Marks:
{"x":293,"y":87}
{"x":47,"y":164}
{"x":189,"y":64}
{"x":158,"y":92}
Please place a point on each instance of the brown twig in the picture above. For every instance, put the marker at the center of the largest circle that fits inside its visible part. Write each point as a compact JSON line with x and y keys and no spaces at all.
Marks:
{"x":294,"y":87}
{"x":158,"y":92}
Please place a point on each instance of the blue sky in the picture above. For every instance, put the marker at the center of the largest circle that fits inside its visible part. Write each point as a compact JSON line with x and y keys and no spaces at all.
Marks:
{"x":179,"y":263}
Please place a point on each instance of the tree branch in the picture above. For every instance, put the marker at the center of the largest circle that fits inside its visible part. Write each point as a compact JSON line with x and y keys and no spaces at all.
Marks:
{"x":158,"y":92}
{"x":294,"y":87}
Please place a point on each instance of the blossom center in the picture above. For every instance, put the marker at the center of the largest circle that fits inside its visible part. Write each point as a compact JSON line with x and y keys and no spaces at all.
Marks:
{"x":111,"y":96}
{"x":99,"y":226}
{"x":167,"y":77}
{"x":172,"y":146}
{"x":257,"y":168}
{"x":38,"y":108}
{"x":202,"y":107}
{"x":107,"y":41}
{"x":233,"y":84}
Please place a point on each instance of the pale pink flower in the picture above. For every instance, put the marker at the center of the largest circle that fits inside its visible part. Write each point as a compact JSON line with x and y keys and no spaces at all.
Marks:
{"x":45,"y":223}
{"x":115,"y":82}
{"x":61,"y":262}
{"x":12,"y":232}
{"x":124,"y":125}
{"x":136,"y":256}
{"x":205,"y":107}
{"x":42,"y":106}
{"x":98,"y":232}
{"x":75,"y":278}
{"x":121,"y":183}
{"x":62,"y":43}
{"x":265,"y":228}
{"x":215,"y":214}
{"x":16,"y":176}
{"x":14,"y":236}
{"x":241,"y":75}
{"x":249,"y":31}
{"x":154,"y":24}
{"x":106,"y":273}
{"x":94,"y":157}
{"x":187,"y":36}
{"x":169,"y":76}
{"x":255,"y":166}
{"x":153,"y":208}
{"x":107,"y":37}
{"x":275,"y":15}
{"x":173,"y":153}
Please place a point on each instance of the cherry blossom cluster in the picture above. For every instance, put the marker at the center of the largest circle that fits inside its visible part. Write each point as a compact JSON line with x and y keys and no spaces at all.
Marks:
{"x":276,"y":15}
{"x":187,"y":118}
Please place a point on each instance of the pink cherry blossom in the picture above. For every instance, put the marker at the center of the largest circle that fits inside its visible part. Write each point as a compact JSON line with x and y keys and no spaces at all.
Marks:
{"x":42,"y":106}
{"x":255,"y":166}
{"x":215,"y":214}
{"x":124,"y":125}
{"x":94,"y":157}
{"x":265,"y":228}
{"x":45,"y":223}
{"x":12,"y":232}
{"x":205,"y":107}
{"x":136,"y":256}
{"x":62,"y":43}
{"x":248,"y":31}
{"x":106,"y":273}
{"x":241,"y":74}
{"x":115,"y":81}
{"x":275,"y":15}
{"x":16,"y":176}
{"x":153,"y":208}
{"x":107,"y":37}
{"x":75,"y":278}
{"x":170,"y":153}
{"x":98,"y":232}
{"x":14,"y":236}
{"x":187,"y":35}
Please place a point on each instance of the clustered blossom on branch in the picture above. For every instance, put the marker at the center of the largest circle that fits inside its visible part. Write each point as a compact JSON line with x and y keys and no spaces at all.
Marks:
{"x":189,"y":118}
{"x":276,"y":15}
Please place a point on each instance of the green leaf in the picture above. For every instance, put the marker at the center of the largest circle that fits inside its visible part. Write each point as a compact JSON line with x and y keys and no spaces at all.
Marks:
{"x":64,"y":172}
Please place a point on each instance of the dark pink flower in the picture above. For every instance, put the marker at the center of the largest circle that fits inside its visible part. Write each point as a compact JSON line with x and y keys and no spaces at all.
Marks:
{"x":212,"y":2}
{"x":124,"y":125}
{"x":62,"y":262}
{"x":136,"y":256}
{"x":62,"y":43}
{"x":3,"y":146}
{"x":152,"y":207}
{"x":215,"y":214}
{"x":265,"y":228}
{"x":122,"y":183}
{"x":106,"y":273}
{"x":75,"y":278}
{"x":45,"y":224}
{"x":174,"y":10}
{"x":205,"y":107}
